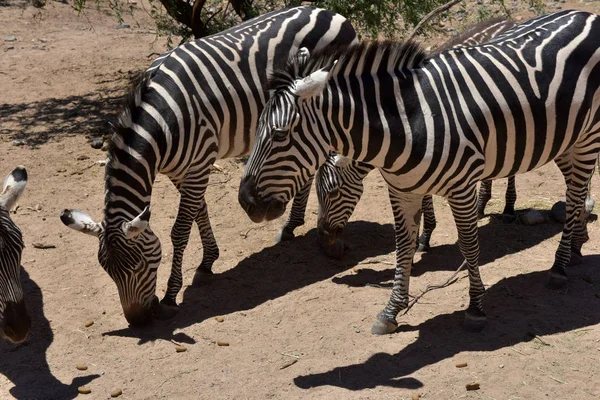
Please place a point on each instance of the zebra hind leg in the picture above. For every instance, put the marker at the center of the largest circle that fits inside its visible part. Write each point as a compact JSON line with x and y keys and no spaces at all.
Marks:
{"x":485,"y":194}
{"x":296,"y":217}
{"x":510,"y":197}
{"x":464,"y":210}
{"x":577,"y":167}
{"x":406,"y":208}
{"x":204,"y":272}
{"x":429,"y":224}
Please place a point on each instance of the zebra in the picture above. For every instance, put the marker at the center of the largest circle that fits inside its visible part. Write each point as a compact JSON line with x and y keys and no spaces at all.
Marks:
{"x":14,"y":320}
{"x":454,"y":118}
{"x":196,"y":104}
{"x":339,"y":181}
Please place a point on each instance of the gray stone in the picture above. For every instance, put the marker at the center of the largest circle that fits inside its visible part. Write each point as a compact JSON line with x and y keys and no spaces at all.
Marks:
{"x":19,"y":142}
{"x":533,"y":217}
{"x":97,"y":143}
{"x":10,"y":38}
{"x":559,"y":211}
{"x":123,"y":26}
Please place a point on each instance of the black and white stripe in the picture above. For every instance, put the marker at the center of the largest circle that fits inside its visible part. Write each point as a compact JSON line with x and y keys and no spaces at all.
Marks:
{"x":196,"y":104}
{"x":339,"y":181}
{"x":438,"y":125}
{"x":14,"y":320}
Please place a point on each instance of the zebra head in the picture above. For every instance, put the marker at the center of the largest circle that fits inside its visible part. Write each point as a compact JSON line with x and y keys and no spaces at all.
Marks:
{"x":291,"y":143}
{"x":130,"y":253}
{"x":14,"y":320}
{"x":339,"y":184}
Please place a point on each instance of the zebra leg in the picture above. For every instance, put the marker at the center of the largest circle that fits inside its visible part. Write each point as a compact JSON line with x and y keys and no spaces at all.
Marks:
{"x":485,"y":194}
{"x":580,"y":233}
{"x":296,"y":217}
{"x":406,"y":208}
{"x":510,"y":197}
{"x":464,"y":210}
{"x":429,"y":223}
{"x":209,"y":245}
{"x":577,"y":167}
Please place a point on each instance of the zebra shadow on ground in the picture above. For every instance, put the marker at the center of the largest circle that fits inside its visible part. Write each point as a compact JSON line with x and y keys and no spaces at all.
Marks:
{"x":518,"y":308}
{"x":25,"y":364}
{"x":266,"y":275}
{"x":497,"y":239}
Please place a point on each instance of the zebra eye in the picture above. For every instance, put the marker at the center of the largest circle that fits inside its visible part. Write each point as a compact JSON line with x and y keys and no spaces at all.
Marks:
{"x":335,"y":194}
{"x":280,"y":134}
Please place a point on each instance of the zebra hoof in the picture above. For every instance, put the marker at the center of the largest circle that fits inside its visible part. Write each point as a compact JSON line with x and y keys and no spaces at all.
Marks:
{"x":475,"y":320}
{"x":202,"y":277}
{"x":557,"y":280}
{"x":383,"y":326}
{"x":284,"y":235}
{"x":167,"y":309}
{"x":423,"y":247}
{"x":576,"y":258}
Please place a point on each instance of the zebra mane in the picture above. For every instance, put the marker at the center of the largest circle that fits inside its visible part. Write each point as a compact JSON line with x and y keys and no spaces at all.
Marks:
{"x":381,"y":56}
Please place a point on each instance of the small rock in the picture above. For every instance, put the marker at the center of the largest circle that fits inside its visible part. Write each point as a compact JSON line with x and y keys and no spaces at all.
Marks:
{"x":219,"y":318}
{"x":81,"y":366}
{"x":501,"y":366}
{"x":415,"y":396}
{"x":10,"y":38}
{"x":61,"y":170}
{"x":180,"y":349}
{"x":9,"y":48}
{"x":97,"y":143}
{"x":116,"y":393}
{"x":37,"y":207}
{"x":461,"y":364}
{"x":84,"y":390}
{"x":83,"y":157}
{"x":559,"y":211}
{"x":102,"y":162}
{"x":222,"y":343}
{"x":89,"y":323}
{"x":473,"y":386}
{"x":105,"y":146}
{"x":357,"y":330}
{"x":533,"y":217}
{"x":43,"y":40}
{"x":122,"y":26}
{"x":18,"y":142}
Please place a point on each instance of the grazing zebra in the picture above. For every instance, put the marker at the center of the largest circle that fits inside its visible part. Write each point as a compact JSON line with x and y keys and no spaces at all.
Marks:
{"x":438,"y":125}
{"x":14,"y":320}
{"x":339,"y":181}
{"x":196,"y":104}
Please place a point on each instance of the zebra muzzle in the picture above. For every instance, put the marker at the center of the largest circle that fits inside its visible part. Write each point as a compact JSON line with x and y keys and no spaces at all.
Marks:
{"x":15,"y":323}
{"x":256,"y":208}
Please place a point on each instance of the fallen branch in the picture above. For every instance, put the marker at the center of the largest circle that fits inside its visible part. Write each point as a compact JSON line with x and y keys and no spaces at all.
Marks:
{"x":43,"y":246}
{"x":429,"y":16}
{"x":81,"y":171}
{"x":429,"y":288}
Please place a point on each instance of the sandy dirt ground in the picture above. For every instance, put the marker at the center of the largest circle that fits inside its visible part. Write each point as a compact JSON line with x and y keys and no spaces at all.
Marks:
{"x":297,"y":322}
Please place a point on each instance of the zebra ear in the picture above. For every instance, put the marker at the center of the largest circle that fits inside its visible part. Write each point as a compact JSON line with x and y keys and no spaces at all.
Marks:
{"x":13,"y":187}
{"x":313,"y":84}
{"x":80,"y":221}
{"x":137,"y":225}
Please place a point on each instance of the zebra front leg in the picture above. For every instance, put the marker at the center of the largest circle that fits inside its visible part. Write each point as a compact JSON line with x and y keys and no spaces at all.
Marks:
{"x":297,"y":213}
{"x":406,"y":208}
{"x":209,"y":244}
{"x":580,"y":233}
{"x":510,"y":198}
{"x":577,"y":167}
{"x":429,"y":223}
{"x":485,"y":194}
{"x":464,"y":210}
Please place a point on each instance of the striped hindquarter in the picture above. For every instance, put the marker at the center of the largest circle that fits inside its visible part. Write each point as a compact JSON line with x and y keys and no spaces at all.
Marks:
{"x":14,"y":320}
{"x":197,"y":103}
{"x":339,"y":182}
{"x":438,"y":125}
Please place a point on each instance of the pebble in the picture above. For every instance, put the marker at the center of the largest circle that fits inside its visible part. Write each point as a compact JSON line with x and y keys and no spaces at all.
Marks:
{"x":123,"y":26}
{"x":83,"y":157}
{"x":533,"y":217}
{"x":89,"y":323}
{"x":501,"y":366}
{"x":219,"y":318}
{"x":81,"y":366}
{"x":105,"y":146}
{"x":415,"y":396}
{"x":357,"y":330}
{"x":43,"y":40}
{"x":18,"y":142}
{"x":559,"y":212}
{"x":84,"y":390}
{"x":7,"y":48}
{"x":97,"y":143}
{"x":222,"y":343}
{"x":473,"y":386}
{"x":37,"y":207}
{"x":461,"y":365}
{"x":10,"y":38}
{"x":180,"y":349}
{"x":116,"y":393}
